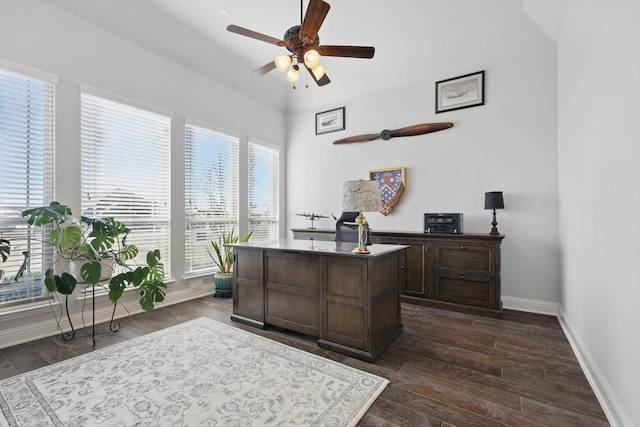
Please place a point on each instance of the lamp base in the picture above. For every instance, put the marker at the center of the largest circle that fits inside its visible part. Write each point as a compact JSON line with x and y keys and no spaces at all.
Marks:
{"x":494,"y":223}
{"x":361,"y":250}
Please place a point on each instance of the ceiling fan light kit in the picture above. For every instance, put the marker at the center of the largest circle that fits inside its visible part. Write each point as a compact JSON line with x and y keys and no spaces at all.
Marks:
{"x":311,"y":58}
{"x":293,"y":75}
{"x":304,"y":44}
{"x":282,"y":62}
{"x":319,"y":71}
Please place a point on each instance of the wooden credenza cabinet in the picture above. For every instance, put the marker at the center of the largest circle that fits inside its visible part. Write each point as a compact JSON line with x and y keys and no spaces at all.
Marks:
{"x":458,"y":272}
{"x":350,"y":302}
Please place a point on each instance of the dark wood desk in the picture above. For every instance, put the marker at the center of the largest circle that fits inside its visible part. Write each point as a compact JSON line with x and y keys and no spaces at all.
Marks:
{"x":458,"y":272}
{"x":350,"y":302}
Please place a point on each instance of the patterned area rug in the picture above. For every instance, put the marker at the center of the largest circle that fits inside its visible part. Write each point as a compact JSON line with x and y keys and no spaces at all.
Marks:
{"x":198,"y":373}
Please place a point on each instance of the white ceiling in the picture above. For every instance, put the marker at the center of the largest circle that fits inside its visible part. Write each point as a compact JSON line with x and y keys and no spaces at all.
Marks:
{"x":193,"y":33}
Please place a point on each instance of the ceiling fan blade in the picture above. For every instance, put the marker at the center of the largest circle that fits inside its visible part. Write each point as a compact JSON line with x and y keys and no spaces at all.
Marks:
{"x":324,"y":80}
{"x":264,"y":69}
{"x":359,"y":138}
{"x":254,"y":35}
{"x":313,"y":19}
{"x":420,"y":129}
{"x":347,"y":51}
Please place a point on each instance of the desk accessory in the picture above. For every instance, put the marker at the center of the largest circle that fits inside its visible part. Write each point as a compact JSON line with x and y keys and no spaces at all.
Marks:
{"x":312,"y":216}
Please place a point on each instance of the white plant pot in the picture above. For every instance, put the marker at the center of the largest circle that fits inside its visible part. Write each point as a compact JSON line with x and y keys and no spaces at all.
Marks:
{"x":106,"y":264}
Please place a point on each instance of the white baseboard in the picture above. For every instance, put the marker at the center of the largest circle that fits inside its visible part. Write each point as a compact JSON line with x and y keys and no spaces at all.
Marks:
{"x":611,"y":406}
{"x":29,"y":331}
{"x":531,"y":306}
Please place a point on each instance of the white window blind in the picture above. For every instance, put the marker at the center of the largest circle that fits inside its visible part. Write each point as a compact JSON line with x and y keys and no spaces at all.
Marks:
{"x":211,"y":192}
{"x":126,"y":169}
{"x":264,"y":197}
{"x":26,"y":174}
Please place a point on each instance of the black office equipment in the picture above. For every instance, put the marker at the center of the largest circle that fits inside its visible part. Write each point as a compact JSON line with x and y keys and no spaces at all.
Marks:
{"x":444,"y":223}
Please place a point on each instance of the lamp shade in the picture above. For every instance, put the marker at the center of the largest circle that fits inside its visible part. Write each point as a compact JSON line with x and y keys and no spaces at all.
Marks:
{"x":493,"y":200}
{"x":311,"y":58}
{"x":319,"y":71}
{"x":282,"y":62}
{"x":361,"y":196}
{"x":293,"y":75}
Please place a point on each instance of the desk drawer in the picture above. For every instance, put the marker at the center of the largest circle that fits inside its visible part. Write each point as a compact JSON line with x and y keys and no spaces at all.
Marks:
{"x":465,"y":289}
{"x":462,"y":257}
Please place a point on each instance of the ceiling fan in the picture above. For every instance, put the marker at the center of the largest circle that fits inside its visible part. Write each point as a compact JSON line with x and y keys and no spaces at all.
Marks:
{"x":388,"y":134}
{"x":304,"y":44}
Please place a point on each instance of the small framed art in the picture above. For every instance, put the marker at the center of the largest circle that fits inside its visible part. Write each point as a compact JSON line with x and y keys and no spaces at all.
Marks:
{"x":330,"y":121}
{"x":460,"y":92}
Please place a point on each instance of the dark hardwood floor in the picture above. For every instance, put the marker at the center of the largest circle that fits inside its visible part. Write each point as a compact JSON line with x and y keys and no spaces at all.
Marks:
{"x":446,"y":368}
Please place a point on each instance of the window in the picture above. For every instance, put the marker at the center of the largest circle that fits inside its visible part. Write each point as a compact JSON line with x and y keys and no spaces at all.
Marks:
{"x":26,"y":174}
{"x":264,"y":201}
{"x":211,"y":192}
{"x":126,"y":169}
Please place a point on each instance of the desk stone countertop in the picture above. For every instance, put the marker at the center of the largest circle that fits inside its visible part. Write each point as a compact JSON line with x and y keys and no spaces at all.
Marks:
{"x":318,"y":246}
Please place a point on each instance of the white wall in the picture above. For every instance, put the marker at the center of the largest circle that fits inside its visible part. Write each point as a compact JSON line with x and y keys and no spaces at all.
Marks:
{"x":39,"y":35}
{"x":509,"y":144}
{"x":599,"y":124}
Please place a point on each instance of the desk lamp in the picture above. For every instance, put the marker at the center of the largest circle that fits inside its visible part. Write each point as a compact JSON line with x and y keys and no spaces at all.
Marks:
{"x":493,"y":200}
{"x":361,"y":196}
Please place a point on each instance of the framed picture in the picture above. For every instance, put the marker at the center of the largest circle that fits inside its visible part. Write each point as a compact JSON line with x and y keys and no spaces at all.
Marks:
{"x":330,"y":121}
{"x":460,"y":92}
{"x":393,"y":182}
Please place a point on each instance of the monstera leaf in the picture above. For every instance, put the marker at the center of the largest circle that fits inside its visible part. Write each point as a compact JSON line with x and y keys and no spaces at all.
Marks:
{"x":5,"y":249}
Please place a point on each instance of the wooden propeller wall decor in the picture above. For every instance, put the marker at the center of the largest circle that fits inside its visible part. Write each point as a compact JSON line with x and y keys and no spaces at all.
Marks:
{"x":304,"y":44}
{"x":388,"y":134}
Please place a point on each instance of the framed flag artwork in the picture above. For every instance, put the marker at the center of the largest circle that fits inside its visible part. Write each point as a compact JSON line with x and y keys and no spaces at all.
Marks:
{"x":392,"y":183}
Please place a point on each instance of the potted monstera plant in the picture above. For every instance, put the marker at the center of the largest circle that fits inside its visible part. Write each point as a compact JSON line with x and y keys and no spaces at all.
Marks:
{"x":5,"y":251}
{"x":222,"y":256}
{"x":94,"y":251}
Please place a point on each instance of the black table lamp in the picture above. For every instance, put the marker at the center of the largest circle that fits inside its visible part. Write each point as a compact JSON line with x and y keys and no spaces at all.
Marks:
{"x":493,"y":200}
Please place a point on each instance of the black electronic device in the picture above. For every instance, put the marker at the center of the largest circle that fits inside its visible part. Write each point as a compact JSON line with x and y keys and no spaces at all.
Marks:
{"x":445,"y":223}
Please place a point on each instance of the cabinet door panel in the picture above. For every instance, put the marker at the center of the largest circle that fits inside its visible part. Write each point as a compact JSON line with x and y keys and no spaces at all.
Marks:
{"x":292,"y":309}
{"x":248,"y":285}
{"x":345,"y":322}
{"x":281,"y":264}
{"x":464,"y":257}
{"x":343,"y":277}
{"x":465,"y":289}
{"x":416,"y":264}
{"x":292,"y":286}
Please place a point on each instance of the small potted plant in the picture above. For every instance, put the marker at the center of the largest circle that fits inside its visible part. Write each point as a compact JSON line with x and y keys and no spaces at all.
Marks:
{"x":223,"y":259}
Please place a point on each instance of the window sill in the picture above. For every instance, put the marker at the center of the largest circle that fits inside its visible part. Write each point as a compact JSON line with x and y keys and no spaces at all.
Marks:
{"x":198,"y":275}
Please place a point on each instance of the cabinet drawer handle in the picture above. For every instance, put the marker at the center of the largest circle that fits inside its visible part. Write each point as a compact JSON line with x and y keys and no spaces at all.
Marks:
{"x":461,"y":247}
{"x":462,"y":277}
